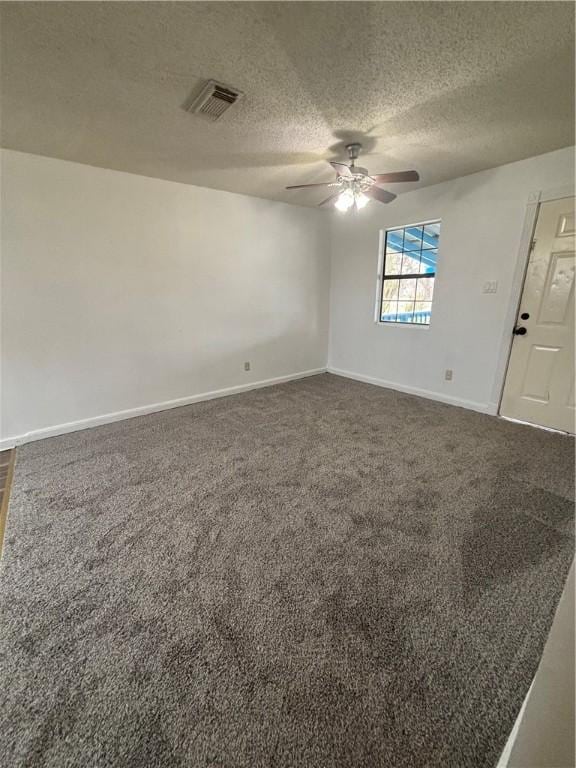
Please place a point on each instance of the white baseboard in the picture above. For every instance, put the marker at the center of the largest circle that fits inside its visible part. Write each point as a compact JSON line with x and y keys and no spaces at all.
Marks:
{"x":108,"y":418}
{"x":507,"y":751}
{"x":488,"y":408}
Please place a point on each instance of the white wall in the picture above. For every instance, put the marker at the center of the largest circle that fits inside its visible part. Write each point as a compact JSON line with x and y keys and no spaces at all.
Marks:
{"x":120,"y":291}
{"x":482,"y":220}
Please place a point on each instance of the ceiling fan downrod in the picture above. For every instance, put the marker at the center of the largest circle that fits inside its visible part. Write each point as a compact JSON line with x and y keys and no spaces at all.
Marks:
{"x":353,"y":152}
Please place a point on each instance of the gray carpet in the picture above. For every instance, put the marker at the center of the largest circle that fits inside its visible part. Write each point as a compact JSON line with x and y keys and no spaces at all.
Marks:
{"x":318,"y":574}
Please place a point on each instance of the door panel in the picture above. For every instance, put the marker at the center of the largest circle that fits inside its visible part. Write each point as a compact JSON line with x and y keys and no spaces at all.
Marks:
{"x":539,"y":384}
{"x":539,"y":373}
{"x":559,"y":289}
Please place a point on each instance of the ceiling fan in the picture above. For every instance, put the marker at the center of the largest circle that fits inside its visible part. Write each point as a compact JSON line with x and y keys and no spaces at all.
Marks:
{"x":354,"y":187}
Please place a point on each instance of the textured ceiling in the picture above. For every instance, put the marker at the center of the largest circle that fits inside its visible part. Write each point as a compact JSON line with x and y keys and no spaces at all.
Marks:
{"x":446,"y":88}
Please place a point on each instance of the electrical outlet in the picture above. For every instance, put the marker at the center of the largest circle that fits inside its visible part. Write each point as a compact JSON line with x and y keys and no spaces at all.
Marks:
{"x":247,"y":366}
{"x":490,"y":286}
{"x":448,"y":374}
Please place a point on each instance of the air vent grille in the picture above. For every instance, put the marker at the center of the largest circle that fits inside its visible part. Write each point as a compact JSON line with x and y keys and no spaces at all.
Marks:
{"x":214,"y":99}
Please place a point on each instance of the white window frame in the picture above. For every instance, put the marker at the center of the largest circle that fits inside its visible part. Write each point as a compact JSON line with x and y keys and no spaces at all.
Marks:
{"x":380,"y":277}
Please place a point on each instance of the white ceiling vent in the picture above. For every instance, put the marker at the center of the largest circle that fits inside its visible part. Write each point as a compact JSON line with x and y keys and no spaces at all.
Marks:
{"x":213,"y":100}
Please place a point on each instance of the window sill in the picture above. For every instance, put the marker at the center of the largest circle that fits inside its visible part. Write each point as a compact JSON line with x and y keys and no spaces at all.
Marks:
{"x":420,"y":326}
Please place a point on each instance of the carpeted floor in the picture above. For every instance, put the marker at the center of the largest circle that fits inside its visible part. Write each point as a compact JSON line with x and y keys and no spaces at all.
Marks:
{"x":318,"y":574}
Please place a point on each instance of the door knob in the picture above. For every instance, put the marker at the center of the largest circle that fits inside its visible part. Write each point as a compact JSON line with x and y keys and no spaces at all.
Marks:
{"x":519,"y":331}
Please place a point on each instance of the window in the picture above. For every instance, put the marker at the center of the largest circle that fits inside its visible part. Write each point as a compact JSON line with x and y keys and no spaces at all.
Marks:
{"x":408,"y":272}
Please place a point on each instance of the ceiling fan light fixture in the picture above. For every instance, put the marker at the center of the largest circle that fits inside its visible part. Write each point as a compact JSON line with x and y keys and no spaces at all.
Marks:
{"x":351,"y":197}
{"x":345,"y":200}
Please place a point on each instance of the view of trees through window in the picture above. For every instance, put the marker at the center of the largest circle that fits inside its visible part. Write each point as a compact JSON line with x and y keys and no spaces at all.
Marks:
{"x":409,"y":269}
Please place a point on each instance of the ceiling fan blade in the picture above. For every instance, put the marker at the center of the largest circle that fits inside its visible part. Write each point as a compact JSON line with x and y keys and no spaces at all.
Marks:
{"x":302,"y":186}
{"x":397,"y":177}
{"x":329,"y":199}
{"x":341,"y":168}
{"x":382,"y":195}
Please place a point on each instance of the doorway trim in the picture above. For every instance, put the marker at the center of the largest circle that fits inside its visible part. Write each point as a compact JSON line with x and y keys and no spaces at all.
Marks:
{"x":524,"y":249}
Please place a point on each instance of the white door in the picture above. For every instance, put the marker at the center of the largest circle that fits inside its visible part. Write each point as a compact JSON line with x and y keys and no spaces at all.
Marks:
{"x":540,"y":379}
